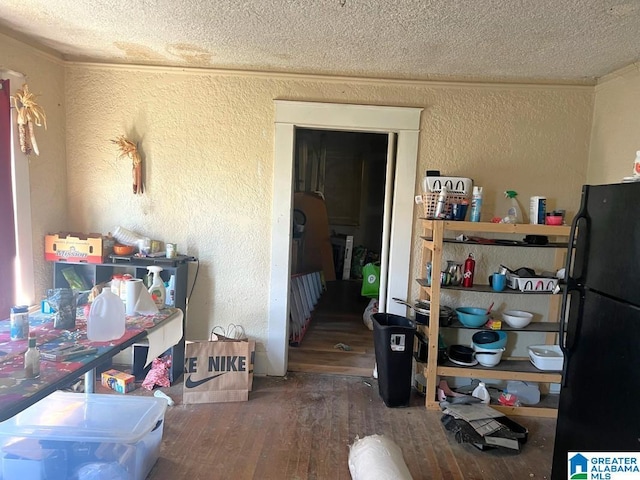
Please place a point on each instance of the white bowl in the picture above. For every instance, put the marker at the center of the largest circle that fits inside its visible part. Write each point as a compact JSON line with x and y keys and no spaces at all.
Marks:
{"x":488,"y":357}
{"x":517,"y":318}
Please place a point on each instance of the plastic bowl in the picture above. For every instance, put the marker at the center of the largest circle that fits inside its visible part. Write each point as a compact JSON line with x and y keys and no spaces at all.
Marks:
{"x":553,"y":220}
{"x":123,"y":249}
{"x":488,"y":357}
{"x":517,"y":318}
{"x":472,"y":316}
{"x":489,"y":339}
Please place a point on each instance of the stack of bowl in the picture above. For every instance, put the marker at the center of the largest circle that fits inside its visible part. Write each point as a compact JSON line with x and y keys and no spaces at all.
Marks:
{"x":489,"y":345}
{"x":472,"y":317}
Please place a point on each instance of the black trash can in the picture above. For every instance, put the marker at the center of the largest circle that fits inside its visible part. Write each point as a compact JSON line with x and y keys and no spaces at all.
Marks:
{"x":393,"y":343}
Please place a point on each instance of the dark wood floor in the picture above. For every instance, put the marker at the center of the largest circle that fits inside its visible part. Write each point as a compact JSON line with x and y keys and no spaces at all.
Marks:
{"x":300,"y":426}
{"x":337,"y":319}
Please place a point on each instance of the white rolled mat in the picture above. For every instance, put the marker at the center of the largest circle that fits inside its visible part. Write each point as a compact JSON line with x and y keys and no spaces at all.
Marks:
{"x":377,"y":457}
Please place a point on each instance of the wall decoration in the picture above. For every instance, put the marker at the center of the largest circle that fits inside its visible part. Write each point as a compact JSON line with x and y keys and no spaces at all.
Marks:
{"x":129,"y":149}
{"x":29,"y":113}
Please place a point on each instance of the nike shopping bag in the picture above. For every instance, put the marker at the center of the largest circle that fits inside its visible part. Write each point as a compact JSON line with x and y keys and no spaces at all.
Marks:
{"x":218,"y":370}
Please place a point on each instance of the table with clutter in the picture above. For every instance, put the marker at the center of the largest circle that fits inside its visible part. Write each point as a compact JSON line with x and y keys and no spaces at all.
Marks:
{"x":18,"y":392}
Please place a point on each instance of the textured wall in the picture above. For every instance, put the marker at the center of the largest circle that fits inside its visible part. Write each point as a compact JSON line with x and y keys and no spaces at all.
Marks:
{"x":207,"y":142}
{"x":207,"y":139}
{"x":48,"y":172}
{"x":615,"y":136}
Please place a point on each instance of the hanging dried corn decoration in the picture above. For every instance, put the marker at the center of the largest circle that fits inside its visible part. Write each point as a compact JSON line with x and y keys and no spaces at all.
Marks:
{"x":130,"y":150}
{"x":29,"y":113}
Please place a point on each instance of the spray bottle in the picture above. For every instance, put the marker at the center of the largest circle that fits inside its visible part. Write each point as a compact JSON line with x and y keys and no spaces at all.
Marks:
{"x":157,"y":290}
{"x":514,"y":215}
{"x":476,"y":204}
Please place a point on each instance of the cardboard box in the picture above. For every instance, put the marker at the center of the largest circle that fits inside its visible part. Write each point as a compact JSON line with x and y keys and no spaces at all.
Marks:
{"x":77,"y":247}
{"x":119,"y":381}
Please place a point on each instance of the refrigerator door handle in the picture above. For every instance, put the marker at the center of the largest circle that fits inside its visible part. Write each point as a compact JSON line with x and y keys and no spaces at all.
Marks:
{"x":572,"y":284}
{"x":581,"y":224}
{"x":567,"y":336}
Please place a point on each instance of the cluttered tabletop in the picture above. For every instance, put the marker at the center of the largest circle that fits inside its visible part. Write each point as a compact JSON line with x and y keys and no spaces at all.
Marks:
{"x":65,"y":355}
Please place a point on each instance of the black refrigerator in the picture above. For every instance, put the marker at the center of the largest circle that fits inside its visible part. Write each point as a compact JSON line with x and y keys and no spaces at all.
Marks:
{"x":600,"y":394}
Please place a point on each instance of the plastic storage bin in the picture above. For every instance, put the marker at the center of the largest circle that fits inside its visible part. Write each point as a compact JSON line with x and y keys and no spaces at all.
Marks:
{"x":77,"y":436}
{"x":546,"y":357}
{"x":527,"y":393}
{"x":393,"y":342}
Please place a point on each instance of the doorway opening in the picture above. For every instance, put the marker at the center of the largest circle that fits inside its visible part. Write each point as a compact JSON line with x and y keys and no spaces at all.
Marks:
{"x":404,"y":123}
{"x":339,"y":193}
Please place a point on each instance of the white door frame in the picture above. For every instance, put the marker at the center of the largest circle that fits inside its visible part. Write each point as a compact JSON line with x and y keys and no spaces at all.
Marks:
{"x":405,"y":122}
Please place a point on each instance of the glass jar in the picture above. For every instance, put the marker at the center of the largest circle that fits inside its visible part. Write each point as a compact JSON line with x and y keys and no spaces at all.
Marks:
{"x":455,"y":272}
{"x":19,"y":322}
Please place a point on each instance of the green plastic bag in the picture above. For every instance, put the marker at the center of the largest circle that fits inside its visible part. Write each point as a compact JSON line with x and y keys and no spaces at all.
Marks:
{"x":371,"y":280}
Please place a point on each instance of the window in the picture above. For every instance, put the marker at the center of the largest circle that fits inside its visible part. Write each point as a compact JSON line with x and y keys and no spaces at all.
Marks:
{"x":8,"y":250}
{"x":16,"y":250}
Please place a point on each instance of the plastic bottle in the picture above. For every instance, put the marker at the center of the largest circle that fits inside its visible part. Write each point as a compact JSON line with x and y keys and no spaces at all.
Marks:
{"x":32,"y":358}
{"x":441,"y":206}
{"x":157,"y":290}
{"x":514,"y":215}
{"x":171,"y":291}
{"x":636,"y":165}
{"x":476,"y":204}
{"x":106,"y":319}
{"x":116,"y":281}
{"x":482,"y":393}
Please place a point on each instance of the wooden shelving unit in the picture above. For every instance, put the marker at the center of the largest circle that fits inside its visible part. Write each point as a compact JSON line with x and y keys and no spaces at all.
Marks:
{"x":433,"y":244}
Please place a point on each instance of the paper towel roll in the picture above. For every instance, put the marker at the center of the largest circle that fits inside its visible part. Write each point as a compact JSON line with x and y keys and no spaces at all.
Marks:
{"x":133,"y":289}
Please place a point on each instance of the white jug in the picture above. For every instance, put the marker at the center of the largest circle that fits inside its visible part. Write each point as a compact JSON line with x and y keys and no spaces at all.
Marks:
{"x":106,"y":318}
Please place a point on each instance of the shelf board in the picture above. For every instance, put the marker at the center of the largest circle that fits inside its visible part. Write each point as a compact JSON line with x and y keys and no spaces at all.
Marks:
{"x":494,"y":243}
{"x":488,"y":289}
{"x":546,"y":408}
{"x":509,"y":228}
{"x":550,"y":327}
{"x":479,"y":288}
{"x":505,"y":370}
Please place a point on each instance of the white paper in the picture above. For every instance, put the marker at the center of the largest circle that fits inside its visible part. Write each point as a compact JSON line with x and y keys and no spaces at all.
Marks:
{"x":164,"y":337}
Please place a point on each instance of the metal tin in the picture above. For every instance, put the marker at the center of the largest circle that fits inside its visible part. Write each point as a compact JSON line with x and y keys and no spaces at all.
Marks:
{"x":172,"y":250}
{"x":19,"y":322}
{"x":155,"y":246}
{"x":537,"y":210}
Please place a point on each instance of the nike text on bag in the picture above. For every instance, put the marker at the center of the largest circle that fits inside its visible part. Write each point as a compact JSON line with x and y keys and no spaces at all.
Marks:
{"x":218,"y":371}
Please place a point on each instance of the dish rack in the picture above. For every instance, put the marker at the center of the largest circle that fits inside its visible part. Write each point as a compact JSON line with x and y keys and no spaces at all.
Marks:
{"x":458,"y":191}
{"x":531,"y":284}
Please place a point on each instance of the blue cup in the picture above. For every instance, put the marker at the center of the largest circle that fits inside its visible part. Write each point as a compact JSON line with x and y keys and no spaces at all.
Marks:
{"x":459,"y":211}
{"x":499,"y":281}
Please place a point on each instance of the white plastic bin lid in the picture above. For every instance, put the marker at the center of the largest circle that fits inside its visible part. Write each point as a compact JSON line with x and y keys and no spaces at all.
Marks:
{"x":79,"y":417}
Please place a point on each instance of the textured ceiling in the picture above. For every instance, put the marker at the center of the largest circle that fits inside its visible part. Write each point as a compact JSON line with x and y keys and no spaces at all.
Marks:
{"x":557,"y":40}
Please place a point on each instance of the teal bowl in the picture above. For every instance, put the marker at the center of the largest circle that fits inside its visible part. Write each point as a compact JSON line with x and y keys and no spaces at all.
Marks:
{"x":472,"y":317}
{"x":490,"y":339}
